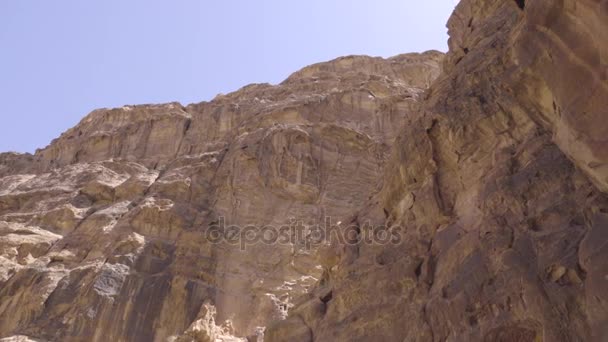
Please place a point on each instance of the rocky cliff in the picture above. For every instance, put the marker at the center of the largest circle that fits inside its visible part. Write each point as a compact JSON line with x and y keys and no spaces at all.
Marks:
{"x":107,"y":234}
{"x":486,"y":167}
{"x":498,"y":187}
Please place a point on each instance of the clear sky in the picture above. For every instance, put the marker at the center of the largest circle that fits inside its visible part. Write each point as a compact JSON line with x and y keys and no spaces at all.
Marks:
{"x":61,"y":59}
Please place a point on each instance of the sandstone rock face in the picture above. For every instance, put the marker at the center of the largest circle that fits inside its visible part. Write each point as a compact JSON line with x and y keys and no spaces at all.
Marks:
{"x":498,"y":189}
{"x":563,"y":55}
{"x":492,"y":183}
{"x":105,"y":235}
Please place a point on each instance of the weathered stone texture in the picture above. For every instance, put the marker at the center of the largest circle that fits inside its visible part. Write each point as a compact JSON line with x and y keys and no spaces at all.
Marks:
{"x":498,"y":189}
{"x":494,"y":178}
{"x":103,"y":233}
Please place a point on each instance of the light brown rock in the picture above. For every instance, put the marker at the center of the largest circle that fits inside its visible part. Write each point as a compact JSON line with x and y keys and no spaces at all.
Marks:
{"x":498,"y":188}
{"x":114,"y":213}
{"x":494,"y":180}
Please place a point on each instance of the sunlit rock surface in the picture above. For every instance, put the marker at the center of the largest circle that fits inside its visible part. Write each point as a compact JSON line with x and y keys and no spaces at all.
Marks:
{"x":104,"y":234}
{"x":498,"y":188}
{"x":490,"y":165}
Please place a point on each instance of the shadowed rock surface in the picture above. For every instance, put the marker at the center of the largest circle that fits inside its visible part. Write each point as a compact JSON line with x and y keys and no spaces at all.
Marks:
{"x":494,"y":178}
{"x":496,"y":186}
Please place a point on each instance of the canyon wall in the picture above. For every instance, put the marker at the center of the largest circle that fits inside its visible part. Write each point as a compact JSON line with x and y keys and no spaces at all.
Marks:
{"x":108,"y":233}
{"x":489,"y":165}
{"x":498,"y":189}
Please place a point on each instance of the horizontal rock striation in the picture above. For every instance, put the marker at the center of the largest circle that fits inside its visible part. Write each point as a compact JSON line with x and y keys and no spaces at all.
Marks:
{"x":487,"y":165}
{"x":104,"y":234}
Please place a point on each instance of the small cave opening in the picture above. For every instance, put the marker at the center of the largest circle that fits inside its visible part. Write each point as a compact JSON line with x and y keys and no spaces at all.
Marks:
{"x":521,"y":4}
{"x":327,"y":297}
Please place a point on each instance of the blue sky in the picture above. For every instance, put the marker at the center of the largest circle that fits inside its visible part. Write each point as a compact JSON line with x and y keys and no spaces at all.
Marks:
{"x":61,"y":59}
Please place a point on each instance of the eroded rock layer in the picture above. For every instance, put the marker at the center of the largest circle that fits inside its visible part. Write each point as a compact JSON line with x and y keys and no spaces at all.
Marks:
{"x":494,"y":180}
{"x":105,"y":234}
{"x":497,"y":187}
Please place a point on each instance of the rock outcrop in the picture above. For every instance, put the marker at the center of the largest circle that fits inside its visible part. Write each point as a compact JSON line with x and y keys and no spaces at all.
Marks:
{"x":498,"y":189}
{"x":487,"y":169}
{"x":107,"y":234}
